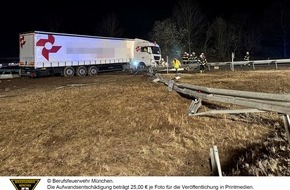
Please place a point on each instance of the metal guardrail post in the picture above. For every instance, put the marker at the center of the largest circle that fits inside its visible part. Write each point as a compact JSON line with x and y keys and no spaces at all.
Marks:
{"x":286,"y":122}
{"x":150,"y":71}
{"x":232,"y":62}
{"x":215,"y":162}
{"x":170,"y":85}
{"x":194,"y":106}
{"x":232,"y":66}
{"x":276,"y":66}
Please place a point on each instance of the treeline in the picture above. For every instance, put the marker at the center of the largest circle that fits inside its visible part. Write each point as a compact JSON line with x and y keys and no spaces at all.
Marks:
{"x":264,"y":31}
{"x":264,"y":35}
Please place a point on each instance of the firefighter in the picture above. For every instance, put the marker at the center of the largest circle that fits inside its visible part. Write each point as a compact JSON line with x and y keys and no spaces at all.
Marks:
{"x":192,"y":58}
{"x":247,"y":58}
{"x":176,"y":65}
{"x":202,"y":62}
{"x":185,"y":58}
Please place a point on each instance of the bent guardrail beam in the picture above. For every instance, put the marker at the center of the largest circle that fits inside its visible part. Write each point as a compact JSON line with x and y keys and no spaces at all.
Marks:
{"x":279,"y":103}
{"x":237,"y":93}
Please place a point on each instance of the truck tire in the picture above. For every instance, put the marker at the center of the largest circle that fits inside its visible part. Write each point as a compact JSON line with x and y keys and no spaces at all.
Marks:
{"x":141,"y":65}
{"x":68,"y":72}
{"x":82,"y":71}
{"x":93,"y":70}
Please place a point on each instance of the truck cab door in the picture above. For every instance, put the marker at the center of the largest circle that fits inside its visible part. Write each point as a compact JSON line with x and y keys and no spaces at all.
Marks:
{"x":143,"y":55}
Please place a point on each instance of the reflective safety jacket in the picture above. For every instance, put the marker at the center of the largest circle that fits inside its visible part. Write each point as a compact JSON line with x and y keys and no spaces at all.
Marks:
{"x":176,"y":63}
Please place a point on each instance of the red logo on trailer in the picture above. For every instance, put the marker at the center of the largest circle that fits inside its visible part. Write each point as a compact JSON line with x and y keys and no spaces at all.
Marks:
{"x":46,"y":43}
{"x":22,"y":41}
{"x":138,"y":48}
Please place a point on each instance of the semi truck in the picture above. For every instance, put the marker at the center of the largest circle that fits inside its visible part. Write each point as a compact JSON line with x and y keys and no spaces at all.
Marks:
{"x":48,"y":53}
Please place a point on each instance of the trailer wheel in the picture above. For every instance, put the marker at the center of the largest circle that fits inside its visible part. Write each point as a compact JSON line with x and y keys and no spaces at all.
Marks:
{"x":69,"y":71}
{"x":93,"y":70}
{"x":82,"y":71}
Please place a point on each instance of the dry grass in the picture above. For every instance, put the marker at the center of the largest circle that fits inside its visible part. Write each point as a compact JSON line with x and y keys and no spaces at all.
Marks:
{"x":125,"y":125}
{"x":269,"y":158}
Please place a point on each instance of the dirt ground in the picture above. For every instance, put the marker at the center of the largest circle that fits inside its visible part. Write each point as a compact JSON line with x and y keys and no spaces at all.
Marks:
{"x":119,"y":124}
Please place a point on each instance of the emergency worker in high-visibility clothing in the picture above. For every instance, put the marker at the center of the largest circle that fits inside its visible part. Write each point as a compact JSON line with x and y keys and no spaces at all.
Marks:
{"x":247,"y":58}
{"x":176,"y":65}
{"x":202,"y":62}
{"x":185,"y":58}
{"x":193,"y":58}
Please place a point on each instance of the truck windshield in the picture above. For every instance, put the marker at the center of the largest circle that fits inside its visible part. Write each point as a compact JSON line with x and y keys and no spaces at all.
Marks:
{"x":155,"y":50}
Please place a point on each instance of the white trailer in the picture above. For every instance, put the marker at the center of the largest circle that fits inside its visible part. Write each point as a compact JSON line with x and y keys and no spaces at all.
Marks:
{"x":43,"y":53}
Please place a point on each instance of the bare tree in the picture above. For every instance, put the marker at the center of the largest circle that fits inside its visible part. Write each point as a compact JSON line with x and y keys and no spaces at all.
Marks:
{"x":224,"y":37}
{"x":279,"y":17}
{"x":54,"y":23}
{"x":208,"y":37}
{"x":165,"y":33}
{"x":110,"y":26}
{"x":284,"y":18}
{"x":234,"y":33}
{"x":219,"y":34}
{"x":190,"y":20}
{"x":237,"y":28}
{"x":252,"y":39}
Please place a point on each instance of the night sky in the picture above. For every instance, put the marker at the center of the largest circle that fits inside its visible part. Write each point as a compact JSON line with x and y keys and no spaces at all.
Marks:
{"x":82,"y":17}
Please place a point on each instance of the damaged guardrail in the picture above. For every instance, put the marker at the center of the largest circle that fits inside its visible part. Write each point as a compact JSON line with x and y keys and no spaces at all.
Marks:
{"x":257,"y":101}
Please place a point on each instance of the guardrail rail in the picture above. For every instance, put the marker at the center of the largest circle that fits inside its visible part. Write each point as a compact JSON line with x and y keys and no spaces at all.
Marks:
{"x":256,"y":101}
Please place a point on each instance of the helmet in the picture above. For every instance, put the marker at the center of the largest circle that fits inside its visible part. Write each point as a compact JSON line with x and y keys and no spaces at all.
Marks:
{"x":247,"y":52}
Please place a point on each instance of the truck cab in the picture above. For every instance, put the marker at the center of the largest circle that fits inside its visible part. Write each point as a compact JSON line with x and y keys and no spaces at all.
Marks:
{"x":146,"y":54}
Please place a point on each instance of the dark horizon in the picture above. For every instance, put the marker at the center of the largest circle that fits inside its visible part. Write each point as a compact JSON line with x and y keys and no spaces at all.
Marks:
{"x":82,"y":17}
